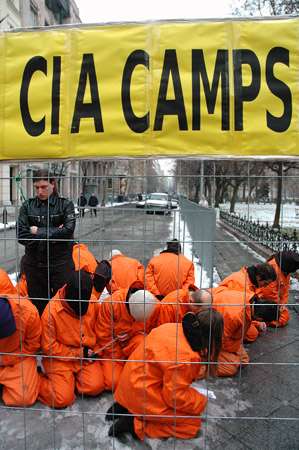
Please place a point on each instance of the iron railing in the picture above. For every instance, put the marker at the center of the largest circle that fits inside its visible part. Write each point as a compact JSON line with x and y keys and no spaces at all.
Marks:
{"x":273,"y":238}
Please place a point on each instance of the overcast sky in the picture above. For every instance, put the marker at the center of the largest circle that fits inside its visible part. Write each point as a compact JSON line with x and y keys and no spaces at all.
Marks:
{"x":130,"y":10}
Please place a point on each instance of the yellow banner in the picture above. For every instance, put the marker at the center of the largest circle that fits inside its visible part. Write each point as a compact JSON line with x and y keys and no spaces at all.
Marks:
{"x":151,"y":89}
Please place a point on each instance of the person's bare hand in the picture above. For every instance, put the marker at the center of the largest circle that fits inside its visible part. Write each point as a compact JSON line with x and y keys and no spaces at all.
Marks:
{"x":33,"y":229}
{"x":61,"y":226}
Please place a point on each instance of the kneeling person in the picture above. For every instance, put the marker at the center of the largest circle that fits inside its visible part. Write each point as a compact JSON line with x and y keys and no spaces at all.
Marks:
{"x":20,"y":332}
{"x":154,"y":395}
{"x":68,"y":339}
{"x":125,"y":318}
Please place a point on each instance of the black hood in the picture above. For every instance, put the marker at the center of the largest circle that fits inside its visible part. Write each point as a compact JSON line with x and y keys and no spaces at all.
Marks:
{"x":288,"y":261}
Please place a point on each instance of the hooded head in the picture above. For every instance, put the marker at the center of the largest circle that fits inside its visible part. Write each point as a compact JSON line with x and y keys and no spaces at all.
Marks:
{"x":203,"y":331}
{"x":261,"y":274}
{"x":174,"y":246}
{"x":7,"y":320}
{"x":141,"y":305}
{"x":102,"y":275}
{"x":78,"y":291}
{"x":264,"y":310}
{"x":288,"y":261}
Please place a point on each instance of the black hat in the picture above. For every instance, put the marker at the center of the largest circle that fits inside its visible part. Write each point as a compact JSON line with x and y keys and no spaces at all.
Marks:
{"x":174,"y":246}
{"x":102,"y":275}
{"x":7,"y":320}
{"x":78,"y":291}
{"x":288,"y":261}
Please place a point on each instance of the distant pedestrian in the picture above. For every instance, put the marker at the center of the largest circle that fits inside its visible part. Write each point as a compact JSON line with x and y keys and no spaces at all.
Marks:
{"x":81,"y":204}
{"x":93,"y":203}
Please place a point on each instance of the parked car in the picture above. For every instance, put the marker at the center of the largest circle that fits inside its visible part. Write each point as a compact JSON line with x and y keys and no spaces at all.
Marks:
{"x":174,"y":203}
{"x":157,"y":203}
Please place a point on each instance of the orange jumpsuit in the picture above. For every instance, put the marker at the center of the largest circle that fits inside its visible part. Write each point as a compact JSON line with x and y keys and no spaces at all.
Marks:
{"x":174,"y":306}
{"x":235,"y":309}
{"x":168,"y":272}
{"x":240,"y":281}
{"x":236,"y":322}
{"x":18,"y":374}
{"x":6,"y":286}
{"x":125,"y":271}
{"x":63,"y":336}
{"x":156,"y":382}
{"x":279,"y":292}
{"x":21,"y":286}
{"x":119,"y":334}
{"x":84,"y":260}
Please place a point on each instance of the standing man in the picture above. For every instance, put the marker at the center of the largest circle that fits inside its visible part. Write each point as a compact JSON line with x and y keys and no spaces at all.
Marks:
{"x":45,"y":227}
{"x":81,"y":204}
{"x":93,"y":203}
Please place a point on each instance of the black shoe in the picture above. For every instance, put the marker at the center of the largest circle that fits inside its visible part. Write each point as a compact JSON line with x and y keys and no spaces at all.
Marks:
{"x":114,"y":411}
{"x":124,"y":424}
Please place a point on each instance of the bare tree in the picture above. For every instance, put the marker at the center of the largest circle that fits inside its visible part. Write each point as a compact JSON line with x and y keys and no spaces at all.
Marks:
{"x":281,"y":168}
{"x":265,"y":7}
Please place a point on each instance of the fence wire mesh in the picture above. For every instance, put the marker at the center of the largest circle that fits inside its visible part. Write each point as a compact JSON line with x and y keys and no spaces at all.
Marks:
{"x":97,"y":247}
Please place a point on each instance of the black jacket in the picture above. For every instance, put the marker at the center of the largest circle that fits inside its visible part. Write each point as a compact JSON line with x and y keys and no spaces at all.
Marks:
{"x":50,"y":241}
{"x":93,"y":201}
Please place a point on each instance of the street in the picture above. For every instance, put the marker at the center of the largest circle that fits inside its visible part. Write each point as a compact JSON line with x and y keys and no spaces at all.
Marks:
{"x":129,"y":229}
{"x":245,"y":411}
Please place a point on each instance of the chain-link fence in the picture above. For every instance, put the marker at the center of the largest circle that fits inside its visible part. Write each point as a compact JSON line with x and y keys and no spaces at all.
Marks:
{"x":61,"y":374}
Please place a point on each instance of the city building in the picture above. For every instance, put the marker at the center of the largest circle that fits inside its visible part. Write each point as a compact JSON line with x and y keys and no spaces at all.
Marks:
{"x":16,"y":178}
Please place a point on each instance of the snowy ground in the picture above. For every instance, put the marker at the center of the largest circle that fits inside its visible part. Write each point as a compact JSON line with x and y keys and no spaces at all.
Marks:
{"x":265,"y":212}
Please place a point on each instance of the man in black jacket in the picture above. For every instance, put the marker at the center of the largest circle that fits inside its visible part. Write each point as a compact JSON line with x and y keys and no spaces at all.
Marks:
{"x":93,"y":203}
{"x":46,"y":227}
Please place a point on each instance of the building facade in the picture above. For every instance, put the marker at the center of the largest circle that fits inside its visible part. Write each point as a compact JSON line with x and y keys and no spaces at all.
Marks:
{"x":16,"y":178}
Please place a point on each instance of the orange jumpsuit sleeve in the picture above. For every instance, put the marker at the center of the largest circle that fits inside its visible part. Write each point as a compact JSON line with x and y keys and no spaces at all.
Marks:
{"x":190,"y":279}
{"x":150,"y":283}
{"x":284,"y":317}
{"x":32,"y":341}
{"x":21,"y":287}
{"x":167,"y":313}
{"x":236,"y":331}
{"x":105,"y":332}
{"x":177,"y":392}
{"x":50,"y":343}
{"x":6,"y":286}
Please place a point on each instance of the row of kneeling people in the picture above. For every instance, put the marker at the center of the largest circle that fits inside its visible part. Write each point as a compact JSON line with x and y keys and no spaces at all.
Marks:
{"x":171,"y":270}
{"x":166,"y":272}
{"x":85,"y":346}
